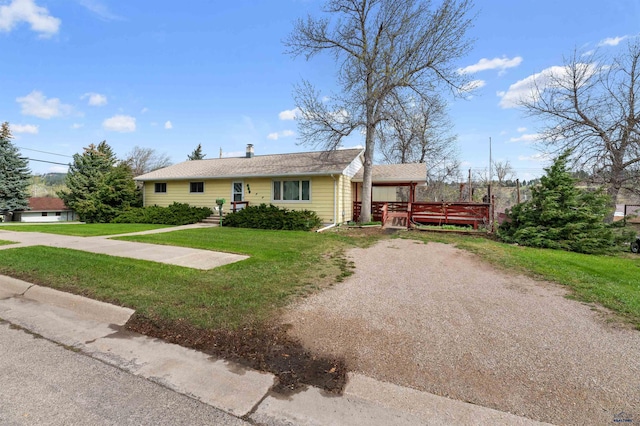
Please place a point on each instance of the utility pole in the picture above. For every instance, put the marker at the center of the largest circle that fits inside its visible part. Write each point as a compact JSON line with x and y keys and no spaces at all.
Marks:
{"x":518,"y":189}
{"x":490,"y":171}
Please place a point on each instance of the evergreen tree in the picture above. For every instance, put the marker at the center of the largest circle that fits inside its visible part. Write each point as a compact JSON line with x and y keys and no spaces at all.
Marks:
{"x":197,"y":154}
{"x":560,"y":215}
{"x":14,"y":175}
{"x":98,"y":187}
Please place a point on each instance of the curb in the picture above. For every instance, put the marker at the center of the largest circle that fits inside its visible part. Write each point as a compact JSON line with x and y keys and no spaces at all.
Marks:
{"x":93,"y":328}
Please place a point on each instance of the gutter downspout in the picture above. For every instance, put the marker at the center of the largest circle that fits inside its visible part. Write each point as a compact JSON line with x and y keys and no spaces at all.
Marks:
{"x":326,"y":227}
{"x":335,"y":196}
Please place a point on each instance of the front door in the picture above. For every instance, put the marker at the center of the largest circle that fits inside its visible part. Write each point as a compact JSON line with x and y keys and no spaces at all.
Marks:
{"x":237,"y":193}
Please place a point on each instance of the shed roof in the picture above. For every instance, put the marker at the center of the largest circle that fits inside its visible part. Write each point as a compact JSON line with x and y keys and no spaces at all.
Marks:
{"x":302,"y":163}
{"x":410,"y":172}
{"x":47,"y":204}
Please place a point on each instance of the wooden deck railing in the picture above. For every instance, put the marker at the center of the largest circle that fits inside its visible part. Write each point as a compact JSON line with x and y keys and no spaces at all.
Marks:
{"x":238,"y":205}
{"x":457,"y":213}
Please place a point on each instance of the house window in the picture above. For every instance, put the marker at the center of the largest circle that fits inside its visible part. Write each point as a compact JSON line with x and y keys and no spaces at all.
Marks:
{"x":58,"y":213}
{"x":161,"y":187}
{"x":291,"y":190}
{"x":196,"y":187}
{"x":44,"y":213}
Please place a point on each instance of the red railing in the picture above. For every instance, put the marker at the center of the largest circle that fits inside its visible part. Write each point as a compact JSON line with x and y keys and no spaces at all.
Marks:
{"x":238,"y":205}
{"x":457,"y":213}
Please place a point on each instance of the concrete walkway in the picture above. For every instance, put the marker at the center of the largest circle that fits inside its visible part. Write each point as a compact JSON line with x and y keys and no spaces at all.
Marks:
{"x":95,"y":328}
{"x":180,"y":256}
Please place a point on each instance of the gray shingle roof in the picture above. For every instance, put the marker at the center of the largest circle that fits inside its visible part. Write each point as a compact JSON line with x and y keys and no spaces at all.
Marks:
{"x":303,"y":163}
{"x":414,"y":172}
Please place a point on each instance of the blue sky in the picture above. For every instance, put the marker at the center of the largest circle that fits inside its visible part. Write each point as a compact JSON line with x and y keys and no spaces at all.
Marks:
{"x":172,"y":75}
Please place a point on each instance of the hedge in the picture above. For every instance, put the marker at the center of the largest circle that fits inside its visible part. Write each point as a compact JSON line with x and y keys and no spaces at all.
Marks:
{"x":272,"y":217}
{"x":175,"y":214}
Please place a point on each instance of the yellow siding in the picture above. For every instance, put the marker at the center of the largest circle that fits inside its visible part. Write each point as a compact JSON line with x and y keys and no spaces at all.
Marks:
{"x":257,"y":191}
{"x":344,"y":205}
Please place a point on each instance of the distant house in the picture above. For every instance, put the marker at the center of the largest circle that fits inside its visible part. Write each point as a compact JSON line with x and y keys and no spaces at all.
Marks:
{"x":45,"y":209}
{"x":326,"y":182}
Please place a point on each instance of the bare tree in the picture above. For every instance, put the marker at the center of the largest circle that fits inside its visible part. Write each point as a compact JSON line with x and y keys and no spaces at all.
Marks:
{"x":417,"y":133}
{"x":386,"y":50}
{"x":591,"y":109}
{"x":145,"y":160}
{"x":503,"y":170}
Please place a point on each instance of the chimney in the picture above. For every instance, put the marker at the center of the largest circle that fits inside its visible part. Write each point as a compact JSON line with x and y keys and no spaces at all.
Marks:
{"x":249,"y":150}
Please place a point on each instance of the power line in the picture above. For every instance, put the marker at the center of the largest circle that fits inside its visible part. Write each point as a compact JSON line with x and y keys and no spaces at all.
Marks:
{"x":45,"y":152}
{"x":45,"y":161}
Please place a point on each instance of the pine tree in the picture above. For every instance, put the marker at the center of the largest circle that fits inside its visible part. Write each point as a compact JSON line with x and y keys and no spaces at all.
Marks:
{"x":98,"y":187}
{"x":197,"y":154}
{"x":14,"y":175}
{"x":560,"y":215}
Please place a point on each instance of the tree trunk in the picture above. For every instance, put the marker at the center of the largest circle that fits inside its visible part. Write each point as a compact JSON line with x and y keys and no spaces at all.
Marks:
{"x":365,"y":211}
{"x":612,"y":191}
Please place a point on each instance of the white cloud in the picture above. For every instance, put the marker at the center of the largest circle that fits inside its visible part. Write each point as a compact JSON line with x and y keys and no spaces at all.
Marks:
{"x":492,"y":64}
{"x":528,"y":89}
{"x":120,"y":123}
{"x":277,"y":135}
{"x":168,"y":125}
{"x":531,"y":137}
{"x":289,"y":114}
{"x":27,"y":11}
{"x":95,"y":99}
{"x":351,"y":147}
{"x":37,"y":105}
{"x":612,"y":41}
{"x":24,"y":128}
{"x":522,"y":129}
{"x":77,"y":125}
{"x":58,"y":169}
{"x":588,"y":53}
{"x":234,"y":154}
{"x":143,"y":110}
{"x":538,"y":158}
{"x":100,"y":9}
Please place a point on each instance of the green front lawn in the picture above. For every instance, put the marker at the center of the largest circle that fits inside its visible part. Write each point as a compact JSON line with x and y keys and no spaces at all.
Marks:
{"x":282,"y":264}
{"x":4,"y":242}
{"x":84,"y":230}
{"x":285,"y":264}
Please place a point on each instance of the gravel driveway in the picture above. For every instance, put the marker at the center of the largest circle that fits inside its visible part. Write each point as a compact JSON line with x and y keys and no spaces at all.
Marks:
{"x":435,"y":318}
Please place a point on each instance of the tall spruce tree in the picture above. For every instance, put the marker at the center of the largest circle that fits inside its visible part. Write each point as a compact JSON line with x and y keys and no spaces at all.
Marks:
{"x":98,"y":186}
{"x":14,"y":175}
{"x":197,"y":154}
{"x":560,"y":215}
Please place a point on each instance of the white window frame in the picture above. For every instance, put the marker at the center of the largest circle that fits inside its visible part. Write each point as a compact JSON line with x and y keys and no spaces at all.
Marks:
{"x":233,"y":190}
{"x":281,"y":182}
{"x":196,"y":192}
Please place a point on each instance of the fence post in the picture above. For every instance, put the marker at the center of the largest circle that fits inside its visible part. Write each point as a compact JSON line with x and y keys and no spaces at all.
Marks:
{"x":493,"y":213}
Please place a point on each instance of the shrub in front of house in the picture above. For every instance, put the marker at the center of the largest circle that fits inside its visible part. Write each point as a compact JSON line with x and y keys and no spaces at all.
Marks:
{"x":175,"y":214}
{"x":272,"y":217}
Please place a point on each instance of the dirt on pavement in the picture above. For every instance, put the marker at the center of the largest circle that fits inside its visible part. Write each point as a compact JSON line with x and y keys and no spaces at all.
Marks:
{"x":436,"y":318}
{"x":265,"y":347}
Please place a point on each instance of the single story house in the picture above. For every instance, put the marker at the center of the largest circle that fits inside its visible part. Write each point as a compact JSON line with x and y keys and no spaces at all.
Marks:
{"x":326,"y":182}
{"x":45,"y":209}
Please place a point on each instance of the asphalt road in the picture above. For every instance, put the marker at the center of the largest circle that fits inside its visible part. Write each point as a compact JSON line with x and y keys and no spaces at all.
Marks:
{"x":44,"y":383}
